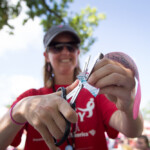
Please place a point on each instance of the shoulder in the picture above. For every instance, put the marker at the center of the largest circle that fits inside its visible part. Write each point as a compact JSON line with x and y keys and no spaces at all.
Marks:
{"x":33,"y":92}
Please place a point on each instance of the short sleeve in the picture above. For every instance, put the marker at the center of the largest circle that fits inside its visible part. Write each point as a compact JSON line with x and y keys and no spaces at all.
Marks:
{"x":30,"y":92}
{"x":17,"y":138}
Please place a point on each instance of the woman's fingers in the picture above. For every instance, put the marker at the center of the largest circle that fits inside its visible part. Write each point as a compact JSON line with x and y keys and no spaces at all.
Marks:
{"x":122,"y":97}
{"x":119,"y":92}
{"x":56,"y":127}
{"x":104,"y":71}
{"x":64,"y":107}
{"x":108,"y":73}
{"x":72,"y":86}
{"x":116,"y":79}
{"x":43,"y":130}
{"x":69,"y":88}
{"x":68,"y":112}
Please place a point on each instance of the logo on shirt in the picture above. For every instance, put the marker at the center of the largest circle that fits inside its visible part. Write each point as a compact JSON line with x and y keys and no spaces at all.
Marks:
{"x":89,"y":108}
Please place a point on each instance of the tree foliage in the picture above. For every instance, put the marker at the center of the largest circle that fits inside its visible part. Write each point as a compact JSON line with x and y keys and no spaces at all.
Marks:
{"x":54,"y":12}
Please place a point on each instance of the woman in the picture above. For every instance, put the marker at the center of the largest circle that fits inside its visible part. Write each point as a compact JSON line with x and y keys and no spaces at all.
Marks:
{"x":142,"y":143}
{"x":45,"y":112}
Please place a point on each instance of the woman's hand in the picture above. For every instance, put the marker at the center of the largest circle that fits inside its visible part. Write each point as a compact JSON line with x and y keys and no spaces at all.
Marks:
{"x":115,"y":81}
{"x":45,"y":113}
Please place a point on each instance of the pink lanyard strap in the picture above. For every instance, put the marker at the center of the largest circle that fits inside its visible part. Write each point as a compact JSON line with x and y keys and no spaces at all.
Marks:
{"x":128,"y":62}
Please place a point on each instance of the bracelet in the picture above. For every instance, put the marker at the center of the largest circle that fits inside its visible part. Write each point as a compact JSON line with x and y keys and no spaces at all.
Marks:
{"x":18,"y":123}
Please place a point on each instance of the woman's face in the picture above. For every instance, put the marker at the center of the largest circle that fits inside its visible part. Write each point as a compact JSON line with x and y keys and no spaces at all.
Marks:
{"x":64,"y":61}
{"x":141,"y":144}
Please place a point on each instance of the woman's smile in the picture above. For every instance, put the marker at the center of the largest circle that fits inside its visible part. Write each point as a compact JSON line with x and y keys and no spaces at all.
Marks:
{"x":65,"y":60}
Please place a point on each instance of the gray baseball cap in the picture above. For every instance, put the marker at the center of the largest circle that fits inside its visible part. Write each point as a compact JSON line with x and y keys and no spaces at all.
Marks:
{"x":55,"y":30}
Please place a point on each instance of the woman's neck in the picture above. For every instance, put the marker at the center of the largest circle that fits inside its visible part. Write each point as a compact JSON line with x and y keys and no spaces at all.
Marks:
{"x":64,"y":79}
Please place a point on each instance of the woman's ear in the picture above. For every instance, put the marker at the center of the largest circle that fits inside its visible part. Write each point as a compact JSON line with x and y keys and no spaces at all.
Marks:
{"x":46,"y":57}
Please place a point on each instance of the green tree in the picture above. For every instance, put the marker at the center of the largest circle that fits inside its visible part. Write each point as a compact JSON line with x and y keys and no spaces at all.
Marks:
{"x":54,"y":12}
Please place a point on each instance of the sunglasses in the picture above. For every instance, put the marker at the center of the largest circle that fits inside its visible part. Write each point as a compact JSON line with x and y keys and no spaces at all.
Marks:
{"x":57,"y":47}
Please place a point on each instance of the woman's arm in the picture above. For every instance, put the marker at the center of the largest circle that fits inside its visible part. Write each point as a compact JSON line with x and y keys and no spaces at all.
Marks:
{"x":8,"y":130}
{"x":125,"y":123}
{"x":118,"y":84}
{"x":44,"y":112}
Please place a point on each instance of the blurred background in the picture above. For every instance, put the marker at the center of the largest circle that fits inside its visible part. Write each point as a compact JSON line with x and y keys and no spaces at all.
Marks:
{"x":119,"y":26}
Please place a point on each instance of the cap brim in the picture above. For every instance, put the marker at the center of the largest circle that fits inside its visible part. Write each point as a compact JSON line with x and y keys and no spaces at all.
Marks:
{"x":59,"y":32}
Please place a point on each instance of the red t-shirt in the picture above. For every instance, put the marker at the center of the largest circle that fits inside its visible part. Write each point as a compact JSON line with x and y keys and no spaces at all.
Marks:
{"x":93,"y":121}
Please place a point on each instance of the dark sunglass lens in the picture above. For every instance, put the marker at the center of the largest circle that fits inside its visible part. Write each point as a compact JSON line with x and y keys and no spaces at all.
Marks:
{"x":71,"y":48}
{"x":58,"y":49}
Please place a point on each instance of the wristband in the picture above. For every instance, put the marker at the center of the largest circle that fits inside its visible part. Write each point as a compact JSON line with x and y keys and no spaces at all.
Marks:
{"x":128,"y":62}
{"x":15,"y":122}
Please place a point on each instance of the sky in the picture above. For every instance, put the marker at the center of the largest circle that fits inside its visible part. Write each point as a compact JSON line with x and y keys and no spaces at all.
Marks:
{"x":125,"y":29}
